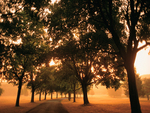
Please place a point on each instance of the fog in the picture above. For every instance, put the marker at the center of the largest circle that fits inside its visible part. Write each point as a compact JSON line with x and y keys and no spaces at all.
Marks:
{"x":10,"y":90}
{"x":98,"y":97}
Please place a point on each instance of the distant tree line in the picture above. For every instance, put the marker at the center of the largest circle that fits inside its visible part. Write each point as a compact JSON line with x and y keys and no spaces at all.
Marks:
{"x":143,"y":87}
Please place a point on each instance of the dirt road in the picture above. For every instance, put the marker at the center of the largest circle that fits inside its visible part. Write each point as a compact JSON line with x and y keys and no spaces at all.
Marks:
{"x":50,"y":106}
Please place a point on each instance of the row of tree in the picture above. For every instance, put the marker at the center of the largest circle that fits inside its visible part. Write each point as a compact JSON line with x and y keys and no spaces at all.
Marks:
{"x":49,"y":80}
{"x":96,"y":39}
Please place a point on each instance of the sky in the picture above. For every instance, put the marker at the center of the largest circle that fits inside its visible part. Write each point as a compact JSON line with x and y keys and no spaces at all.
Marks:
{"x":142,"y":62}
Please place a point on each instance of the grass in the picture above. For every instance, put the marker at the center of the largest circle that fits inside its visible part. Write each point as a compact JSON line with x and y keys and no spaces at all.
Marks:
{"x":104,"y":104}
{"x":98,"y":104}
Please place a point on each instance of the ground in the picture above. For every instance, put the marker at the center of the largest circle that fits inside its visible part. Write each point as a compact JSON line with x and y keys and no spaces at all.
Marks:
{"x":104,"y":104}
{"x":98,"y":104}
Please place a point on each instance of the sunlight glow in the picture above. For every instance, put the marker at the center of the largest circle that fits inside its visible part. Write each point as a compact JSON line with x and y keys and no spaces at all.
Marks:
{"x":17,"y":42}
{"x":52,"y":62}
{"x":54,"y":1}
{"x":142,"y":62}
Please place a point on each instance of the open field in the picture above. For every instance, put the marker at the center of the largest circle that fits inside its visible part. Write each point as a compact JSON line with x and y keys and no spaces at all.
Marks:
{"x":7,"y":104}
{"x":98,"y":104}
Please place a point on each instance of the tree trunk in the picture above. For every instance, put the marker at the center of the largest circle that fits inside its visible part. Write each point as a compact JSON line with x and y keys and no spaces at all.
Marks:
{"x":74,"y":92}
{"x":85,"y":97}
{"x":61,"y":95}
{"x":56,"y":94}
{"x":40,"y":96}
{"x":32,"y":96}
{"x":133,"y":94}
{"x":69,"y":96}
{"x":45,"y":95}
{"x":51,"y":95}
{"x":147,"y":97}
{"x":19,"y":91}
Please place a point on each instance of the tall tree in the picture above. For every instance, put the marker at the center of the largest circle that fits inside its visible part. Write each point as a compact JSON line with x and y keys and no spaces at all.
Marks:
{"x":24,"y":55}
{"x":46,"y":80}
{"x":80,"y":56}
{"x":125,"y":23}
{"x":78,"y":41}
{"x":66,"y":78}
{"x":126,"y":43}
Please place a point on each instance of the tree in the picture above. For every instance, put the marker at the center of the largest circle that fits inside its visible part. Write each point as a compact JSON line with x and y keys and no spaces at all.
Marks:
{"x":78,"y":42}
{"x":44,"y":80}
{"x":23,"y":56}
{"x":66,"y":79}
{"x":125,"y":22}
{"x":139,"y":85}
{"x":21,"y":20}
{"x":80,"y":56}
{"x":146,"y":87}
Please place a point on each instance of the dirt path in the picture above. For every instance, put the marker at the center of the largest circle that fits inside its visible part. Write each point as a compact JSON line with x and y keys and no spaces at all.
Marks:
{"x":50,"y":106}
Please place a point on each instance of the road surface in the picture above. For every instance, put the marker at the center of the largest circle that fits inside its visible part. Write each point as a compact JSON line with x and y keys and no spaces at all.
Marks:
{"x":50,"y":106}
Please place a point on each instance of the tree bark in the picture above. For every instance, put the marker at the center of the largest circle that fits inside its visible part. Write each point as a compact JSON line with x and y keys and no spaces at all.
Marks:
{"x":69,"y":96}
{"x":133,"y":94}
{"x":85,"y":97}
{"x":19,"y":92}
{"x":40,"y":96}
{"x":51,"y":95}
{"x":147,"y":97}
{"x":74,"y":92}
{"x":45,"y":95}
{"x":56,"y":94}
{"x":32,"y":95}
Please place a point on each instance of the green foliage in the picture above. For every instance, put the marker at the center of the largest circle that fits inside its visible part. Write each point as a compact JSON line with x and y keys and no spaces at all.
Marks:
{"x":65,"y":78}
{"x":44,"y":80}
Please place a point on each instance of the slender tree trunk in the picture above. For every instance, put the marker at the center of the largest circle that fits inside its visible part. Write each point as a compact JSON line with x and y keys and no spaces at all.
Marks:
{"x":45,"y":95}
{"x":40,"y":96}
{"x":85,"y":97}
{"x":69,"y":96}
{"x":56,"y":94}
{"x":19,"y":92}
{"x":147,"y":97}
{"x":32,"y":95}
{"x":61,"y":95}
{"x":51,"y":95}
{"x":74,"y":92}
{"x":133,"y":94}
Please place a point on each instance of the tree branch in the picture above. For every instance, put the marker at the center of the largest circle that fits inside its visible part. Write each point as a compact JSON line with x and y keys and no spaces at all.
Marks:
{"x":140,"y":48}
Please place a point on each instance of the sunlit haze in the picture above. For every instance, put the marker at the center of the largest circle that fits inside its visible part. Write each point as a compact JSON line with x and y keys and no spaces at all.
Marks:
{"x":142,"y":62}
{"x":52,"y":62}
